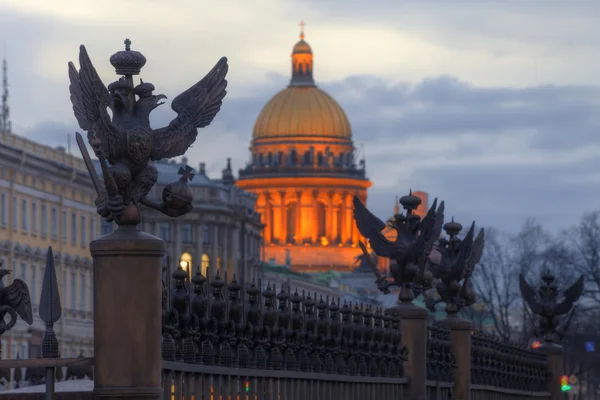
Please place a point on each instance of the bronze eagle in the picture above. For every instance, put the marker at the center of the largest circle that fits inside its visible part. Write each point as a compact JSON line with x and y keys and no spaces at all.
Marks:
{"x":125,"y":143}
{"x":412,"y":241}
{"x":545,"y":303}
{"x":14,"y":298}
{"x":458,"y":261}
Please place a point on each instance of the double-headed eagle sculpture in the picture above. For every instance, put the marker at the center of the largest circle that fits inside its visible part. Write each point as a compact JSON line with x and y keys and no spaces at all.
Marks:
{"x":411,"y":248}
{"x":14,"y":302}
{"x":544,"y":304}
{"x":123,"y":140}
{"x":413,"y":266}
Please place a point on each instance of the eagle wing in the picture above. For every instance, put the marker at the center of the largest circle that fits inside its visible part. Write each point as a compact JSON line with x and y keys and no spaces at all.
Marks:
{"x":476,"y":253}
{"x":370,"y":227}
{"x":90,"y":100}
{"x":430,"y":229}
{"x":529,"y":295}
{"x":465,"y":247}
{"x":195,"y":108}
{"x":572,"y":294}
{"x":16,"y":295}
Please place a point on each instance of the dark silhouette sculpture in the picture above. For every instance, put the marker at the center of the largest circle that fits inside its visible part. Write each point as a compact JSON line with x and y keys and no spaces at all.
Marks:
{"x":125,"y":144}
{"x":14,"y":302}
{"x":458,"y":260}
{"x":410,"y":250}
{"x":544,"y":303}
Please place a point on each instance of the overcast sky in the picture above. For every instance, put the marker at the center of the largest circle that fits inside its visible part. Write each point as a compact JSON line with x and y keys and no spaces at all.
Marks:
{"x":491,"y":106}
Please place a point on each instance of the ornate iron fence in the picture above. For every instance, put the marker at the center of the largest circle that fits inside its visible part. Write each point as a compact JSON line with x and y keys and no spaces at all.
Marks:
{"x":309,"y":347}
{"x":48,"y":368}
{"x":501,"y":369}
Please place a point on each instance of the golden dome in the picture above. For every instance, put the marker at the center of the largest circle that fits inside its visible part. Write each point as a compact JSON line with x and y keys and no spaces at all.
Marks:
{"x":302,"y":47}
{"x":302,"y":111}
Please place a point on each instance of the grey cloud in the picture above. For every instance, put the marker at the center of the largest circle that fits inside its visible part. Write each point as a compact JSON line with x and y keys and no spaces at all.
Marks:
{"x":561,"y":116}
{"x":501,"y":194}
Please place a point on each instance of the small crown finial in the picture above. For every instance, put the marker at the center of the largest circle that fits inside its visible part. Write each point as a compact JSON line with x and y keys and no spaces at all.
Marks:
{"x":301,"y":30}
{"x":127,"y":45}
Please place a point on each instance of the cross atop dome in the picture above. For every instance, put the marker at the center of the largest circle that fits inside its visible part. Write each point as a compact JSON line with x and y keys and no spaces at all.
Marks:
{"x":301,"y":24}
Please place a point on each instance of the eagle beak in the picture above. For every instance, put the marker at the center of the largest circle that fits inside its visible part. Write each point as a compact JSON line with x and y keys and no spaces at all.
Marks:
{"x":8,"y":271}
{"x":390,"y":223}
{"x":158,"y":97}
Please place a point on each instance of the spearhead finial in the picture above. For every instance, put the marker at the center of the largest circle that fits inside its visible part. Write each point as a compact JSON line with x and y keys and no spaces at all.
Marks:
{"x":50,"y":307}
{"x":187,"y":173}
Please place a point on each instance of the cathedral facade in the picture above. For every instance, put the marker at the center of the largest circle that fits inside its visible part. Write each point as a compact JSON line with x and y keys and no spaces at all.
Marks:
{"x":304,"y":173}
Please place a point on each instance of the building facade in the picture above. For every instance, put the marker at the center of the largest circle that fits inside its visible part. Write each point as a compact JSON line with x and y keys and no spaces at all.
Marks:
{"x":304,"y":174}
{"x":46,"y":199}
{"x":222,"y":232}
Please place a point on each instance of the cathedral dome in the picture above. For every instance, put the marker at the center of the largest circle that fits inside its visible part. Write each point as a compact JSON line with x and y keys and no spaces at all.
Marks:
{"x":302,"y":109}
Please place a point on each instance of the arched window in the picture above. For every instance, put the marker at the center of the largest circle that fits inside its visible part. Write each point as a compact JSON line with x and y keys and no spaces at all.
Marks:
{"x":321,"y":220}
{"x":204,"y":263}
{"x":320,"y":159}
{"x":306,"y":158}
{"x":291,"y":223}
{"x":294,"y":157}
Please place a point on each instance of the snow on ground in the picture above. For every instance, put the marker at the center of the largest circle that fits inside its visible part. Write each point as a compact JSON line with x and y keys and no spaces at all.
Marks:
{"x":80,"y":385}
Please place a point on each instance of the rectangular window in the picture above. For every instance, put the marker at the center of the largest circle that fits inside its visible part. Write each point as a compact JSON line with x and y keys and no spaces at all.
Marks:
{"x":15,"y":212}
{"x":92,"y":228}
{"x":4,"y":207}
{"x":186,"y":234}
{"x":65,"y":223}
{"x":24,"y":221}
{"x":83,"y":293}
{"x":34,"y":222}
{"x":206,"y":233}
{"x":54,"y":223}
{"x":23,"y":272}
{"x":33,"y":285}
{"x":105,"y":227}
{"x":73,"y":290}
{"x":44,"y":220}
{"x":65,"y":286}
{"x":74,"y":228}
{"x":164,"y":231}
{"x":83,"y":232}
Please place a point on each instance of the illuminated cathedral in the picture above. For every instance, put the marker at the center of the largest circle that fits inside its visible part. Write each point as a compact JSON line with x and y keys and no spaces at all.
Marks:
{"x":304,"y":173}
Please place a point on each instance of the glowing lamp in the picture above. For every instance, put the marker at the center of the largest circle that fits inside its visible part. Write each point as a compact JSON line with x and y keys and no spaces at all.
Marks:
{"x":324,"y":241}
{"x":536,"y":344}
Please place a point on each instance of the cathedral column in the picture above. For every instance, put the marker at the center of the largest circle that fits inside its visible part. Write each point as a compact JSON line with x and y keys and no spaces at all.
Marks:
{"x":315,"y":214}
{"x":298,"y":230}
{"x":268,"y":220}
{"x":283,"y":233}
{"x":349,"y":217}
{"x":354,"y":230}
{"x":330,"y":216}
{"x":344,"y":228}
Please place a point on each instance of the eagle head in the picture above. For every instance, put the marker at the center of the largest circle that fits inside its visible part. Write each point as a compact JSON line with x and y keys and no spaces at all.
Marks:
{"x":4,"y":272}
{"x":150,"y":102}
{"x":396,"y":222}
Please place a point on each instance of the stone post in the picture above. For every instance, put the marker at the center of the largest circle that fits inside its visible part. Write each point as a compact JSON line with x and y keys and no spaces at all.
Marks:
{"x":555,"y":368}
{"x":414,"y":336}
{"x":460,"y":338}
{"x":127,"y":314}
